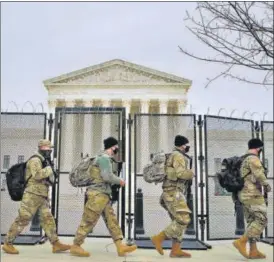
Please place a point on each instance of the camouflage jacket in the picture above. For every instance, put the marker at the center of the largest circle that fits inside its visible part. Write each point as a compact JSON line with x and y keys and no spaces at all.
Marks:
{"x":102,"y":174}
{"x":254,"y":176}
{"x":177,"y":172}
{"x":38,"y":176}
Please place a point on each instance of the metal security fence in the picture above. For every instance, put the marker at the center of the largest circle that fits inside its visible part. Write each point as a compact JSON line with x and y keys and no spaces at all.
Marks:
{"x":20,"y":133}
{"x":80,"y":132}
{"x":267,"y":137}
{"x":223,"y":137}
{"x":154,"y":133}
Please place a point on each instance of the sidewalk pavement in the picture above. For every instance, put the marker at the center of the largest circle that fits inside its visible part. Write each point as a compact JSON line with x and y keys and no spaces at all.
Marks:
{"x":221,"y":251}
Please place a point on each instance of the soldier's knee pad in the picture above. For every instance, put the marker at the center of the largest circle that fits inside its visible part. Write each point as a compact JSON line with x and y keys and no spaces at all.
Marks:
{"x":183,"y":218}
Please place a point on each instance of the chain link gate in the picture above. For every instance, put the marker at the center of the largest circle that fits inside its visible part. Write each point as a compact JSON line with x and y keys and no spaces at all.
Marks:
{"x":223,"y":137}
{"x":78,"y":132}
{"x":267,"y":137}
{"x":153,"y":133}
{"x":20,"y":133}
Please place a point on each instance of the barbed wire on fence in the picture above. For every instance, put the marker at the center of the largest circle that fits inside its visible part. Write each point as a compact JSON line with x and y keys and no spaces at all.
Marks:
{"x":22,"y":109}
{"x":224,"y":114}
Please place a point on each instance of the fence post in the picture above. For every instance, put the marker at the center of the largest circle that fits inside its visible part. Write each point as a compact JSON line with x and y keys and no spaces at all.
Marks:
{"x":201,"y":184}
{"x":139,"y":229}
{"x":240,"y":222}
{"x":190,"y":229}
{"x":129,"y":219}
{"x":53,"y":193}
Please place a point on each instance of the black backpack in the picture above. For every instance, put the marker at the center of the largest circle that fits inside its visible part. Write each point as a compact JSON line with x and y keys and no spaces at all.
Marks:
{"x":230,"y":177}
{"x":16,"y":181}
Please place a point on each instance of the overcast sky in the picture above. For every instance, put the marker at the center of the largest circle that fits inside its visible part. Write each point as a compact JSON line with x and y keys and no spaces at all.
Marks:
{"x":44,"y":40}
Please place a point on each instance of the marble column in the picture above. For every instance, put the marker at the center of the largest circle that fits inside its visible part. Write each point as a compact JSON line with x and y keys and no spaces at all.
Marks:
{"x":51,"y":106}
{"x":88,"y":131}
{"x":163,"y":127}
{"x":106,"y":121}
{"x":68,"y":138}
{"x":143,"y":145}
{"x":183,"y":122}
{"x":181,"y":106}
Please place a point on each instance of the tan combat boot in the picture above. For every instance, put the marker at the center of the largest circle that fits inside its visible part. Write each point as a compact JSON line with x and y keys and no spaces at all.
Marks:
{"x":122,"y":249}
{"x":157,"y":241}
{"x":59,"y":247}
{"x":254,"y":253}
{"x":76,"y":250}
{"x":177,"y":252}
{"x":240,"y":244}
{"x":10,"y":249}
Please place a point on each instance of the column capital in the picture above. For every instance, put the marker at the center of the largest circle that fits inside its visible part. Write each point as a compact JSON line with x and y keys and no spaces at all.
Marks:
{"x":126,"y":102}
{"x":163,"y":104}
{"x":181,"y":105}
{"x":182,"y":102}
{"x":106,"y":102}
{"x":145,"y":105}
{"x":52,"y":103}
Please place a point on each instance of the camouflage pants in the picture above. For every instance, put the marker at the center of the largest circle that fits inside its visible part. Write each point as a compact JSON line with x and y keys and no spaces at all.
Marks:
{"x":256,"y":218}
{"x":29,"y":205}
{"x":176,"y":206}
{"x":98,"y":204}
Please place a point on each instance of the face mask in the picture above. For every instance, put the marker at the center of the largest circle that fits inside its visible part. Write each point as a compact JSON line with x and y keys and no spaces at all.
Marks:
{"x":115,"y":151}
{"x":45,"y":153}
{"x":187,"y":149}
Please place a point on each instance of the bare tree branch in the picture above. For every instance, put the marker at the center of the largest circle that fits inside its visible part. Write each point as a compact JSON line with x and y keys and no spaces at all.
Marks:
{"x":241,"y":35}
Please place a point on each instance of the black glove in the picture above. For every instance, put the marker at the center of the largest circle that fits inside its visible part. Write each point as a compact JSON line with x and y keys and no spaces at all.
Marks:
{"x":267,"y":188}
{"x":46,"y":163}
{"x":115,"y":193}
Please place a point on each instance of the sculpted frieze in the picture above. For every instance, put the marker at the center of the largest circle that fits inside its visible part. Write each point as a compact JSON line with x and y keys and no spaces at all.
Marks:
{"x":117,"y":75}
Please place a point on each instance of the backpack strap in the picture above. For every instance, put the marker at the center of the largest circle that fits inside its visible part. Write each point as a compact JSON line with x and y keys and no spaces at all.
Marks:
{"x":244,"y":157}
{"x":249,"y":154}
{"x":33,"y":156}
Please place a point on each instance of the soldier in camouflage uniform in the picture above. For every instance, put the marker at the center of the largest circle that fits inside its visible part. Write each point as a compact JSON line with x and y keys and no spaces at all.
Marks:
{"x":99,"y":202}
{"x":253,"y":201}
{"x":173,"y":198}
{"x":35,"y":199}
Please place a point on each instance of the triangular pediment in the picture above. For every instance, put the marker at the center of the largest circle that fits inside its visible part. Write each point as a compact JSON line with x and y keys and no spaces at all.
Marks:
{"x":117,"y":72}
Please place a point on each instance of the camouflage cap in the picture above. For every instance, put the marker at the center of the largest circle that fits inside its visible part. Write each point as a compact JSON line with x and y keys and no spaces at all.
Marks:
{"x":44,"y":142}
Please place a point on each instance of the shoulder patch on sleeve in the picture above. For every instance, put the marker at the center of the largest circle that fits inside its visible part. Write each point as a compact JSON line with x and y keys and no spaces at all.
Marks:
{"x":255,"y":162}
{"x":179,"y":158}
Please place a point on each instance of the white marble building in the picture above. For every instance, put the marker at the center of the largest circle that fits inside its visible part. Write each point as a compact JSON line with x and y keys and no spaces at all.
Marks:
{"x":116,"y":83}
